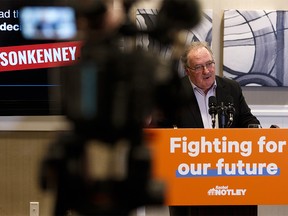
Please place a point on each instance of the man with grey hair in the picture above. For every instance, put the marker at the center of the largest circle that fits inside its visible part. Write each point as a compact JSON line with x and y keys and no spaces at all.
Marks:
{"x":199,"y":84}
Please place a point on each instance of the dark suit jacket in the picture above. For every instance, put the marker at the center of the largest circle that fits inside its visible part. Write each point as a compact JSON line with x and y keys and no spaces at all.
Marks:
{"x":189,"y":115}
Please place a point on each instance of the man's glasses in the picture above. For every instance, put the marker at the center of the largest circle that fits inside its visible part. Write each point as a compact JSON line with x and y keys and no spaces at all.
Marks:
{"x":200,"y":68}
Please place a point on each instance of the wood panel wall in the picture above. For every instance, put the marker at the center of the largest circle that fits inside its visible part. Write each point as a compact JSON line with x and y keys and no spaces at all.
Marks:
{"x":21,"y":154}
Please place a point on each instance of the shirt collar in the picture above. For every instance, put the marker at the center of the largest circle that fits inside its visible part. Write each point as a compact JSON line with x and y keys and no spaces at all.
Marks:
{"x":196,"y":88}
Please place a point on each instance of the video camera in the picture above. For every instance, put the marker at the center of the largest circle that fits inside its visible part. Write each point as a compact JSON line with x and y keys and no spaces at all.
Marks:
{"x":102,"y":166}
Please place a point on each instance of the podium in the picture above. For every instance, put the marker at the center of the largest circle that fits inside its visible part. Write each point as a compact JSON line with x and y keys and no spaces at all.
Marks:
{"x":221,"y":166}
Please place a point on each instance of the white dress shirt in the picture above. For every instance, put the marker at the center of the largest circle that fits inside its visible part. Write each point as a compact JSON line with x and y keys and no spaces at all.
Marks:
{"x":203,"y":103}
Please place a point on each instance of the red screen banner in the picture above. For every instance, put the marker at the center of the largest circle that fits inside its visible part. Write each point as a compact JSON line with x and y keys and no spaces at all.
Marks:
{"x":34,"y":56}
{"x":221,"y":166}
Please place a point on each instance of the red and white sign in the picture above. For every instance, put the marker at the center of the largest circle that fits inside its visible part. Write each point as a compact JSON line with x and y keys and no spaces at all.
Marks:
{"x":39,"y":56}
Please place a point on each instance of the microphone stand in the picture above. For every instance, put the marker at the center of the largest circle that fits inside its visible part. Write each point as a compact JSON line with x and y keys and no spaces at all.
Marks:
{"x":222,"y":109}
{"x":213,"y":123}
{"x":224,"y":112}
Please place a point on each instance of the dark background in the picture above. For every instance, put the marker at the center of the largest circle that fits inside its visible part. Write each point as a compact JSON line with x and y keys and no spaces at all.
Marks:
{"x":25,"y":92}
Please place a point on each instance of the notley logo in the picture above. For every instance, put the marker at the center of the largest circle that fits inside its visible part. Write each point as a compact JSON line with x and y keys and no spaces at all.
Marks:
{"x":226,"y":191}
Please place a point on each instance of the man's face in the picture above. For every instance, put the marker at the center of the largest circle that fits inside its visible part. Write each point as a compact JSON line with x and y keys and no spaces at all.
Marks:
{"x":201,"y":68}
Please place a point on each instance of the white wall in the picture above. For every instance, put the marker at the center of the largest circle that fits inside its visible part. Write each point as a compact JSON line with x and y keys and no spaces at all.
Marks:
{"x":271,"y":115}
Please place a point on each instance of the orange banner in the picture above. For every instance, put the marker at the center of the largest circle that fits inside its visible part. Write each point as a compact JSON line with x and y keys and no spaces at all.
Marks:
{"x":221,"y":166}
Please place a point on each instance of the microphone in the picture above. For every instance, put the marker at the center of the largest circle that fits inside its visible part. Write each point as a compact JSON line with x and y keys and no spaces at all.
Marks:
{"x":230,"y":110}
{"x":212,"y":103}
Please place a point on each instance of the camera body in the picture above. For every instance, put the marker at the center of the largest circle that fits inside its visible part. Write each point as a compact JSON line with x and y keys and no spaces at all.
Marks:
{"x":103,"y":165}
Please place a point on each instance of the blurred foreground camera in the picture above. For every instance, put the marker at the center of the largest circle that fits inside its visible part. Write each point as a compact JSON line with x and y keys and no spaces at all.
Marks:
{"x":103,"y":165}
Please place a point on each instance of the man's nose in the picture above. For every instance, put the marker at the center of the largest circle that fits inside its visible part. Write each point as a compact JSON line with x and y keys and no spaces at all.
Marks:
{"x":205,"y":69}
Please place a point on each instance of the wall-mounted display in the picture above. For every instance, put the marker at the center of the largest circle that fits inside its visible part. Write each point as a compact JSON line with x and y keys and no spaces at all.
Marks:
{"x":33,"y":47}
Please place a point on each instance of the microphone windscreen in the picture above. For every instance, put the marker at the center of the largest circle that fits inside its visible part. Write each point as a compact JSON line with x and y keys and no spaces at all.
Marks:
{"x":229,"y":105}
{"x":229,"y":99}
{"x":212,"y":101}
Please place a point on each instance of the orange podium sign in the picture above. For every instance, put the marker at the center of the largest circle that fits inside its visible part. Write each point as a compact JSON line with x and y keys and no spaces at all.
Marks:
{"x":221,"y":166}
